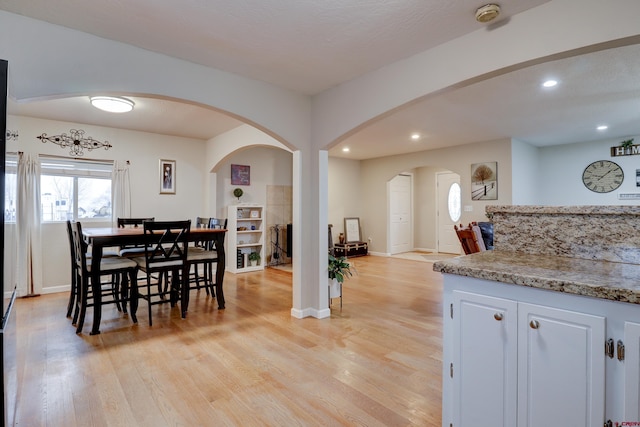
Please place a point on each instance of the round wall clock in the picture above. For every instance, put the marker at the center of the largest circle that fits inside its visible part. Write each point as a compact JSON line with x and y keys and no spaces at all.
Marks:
{"x":602,"y":176}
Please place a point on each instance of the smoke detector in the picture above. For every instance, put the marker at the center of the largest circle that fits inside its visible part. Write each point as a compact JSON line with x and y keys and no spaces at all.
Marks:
{"x":487,"y":13}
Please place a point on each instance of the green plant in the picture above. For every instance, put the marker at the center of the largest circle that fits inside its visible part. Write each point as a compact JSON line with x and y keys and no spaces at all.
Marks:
{"x":627,"y":143}
{"x":339,"y":268}
{"x":254,"y":256}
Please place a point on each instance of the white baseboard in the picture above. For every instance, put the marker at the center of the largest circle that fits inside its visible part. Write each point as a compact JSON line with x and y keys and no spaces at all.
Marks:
{"x":379,"y":254}
{"x":310,"y":312}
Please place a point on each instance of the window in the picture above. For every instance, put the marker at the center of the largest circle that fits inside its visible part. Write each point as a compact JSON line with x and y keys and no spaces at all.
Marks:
{"x":454,"y":203}
{"x":10,"y":189}
{"x":75,"y":189}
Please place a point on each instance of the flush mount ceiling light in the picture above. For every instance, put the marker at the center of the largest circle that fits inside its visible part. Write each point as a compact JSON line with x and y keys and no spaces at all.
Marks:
{"x":550,"y":83}
{"x":112,"y":104}
{"x":415,"y":136}
{"x":487,"y":13}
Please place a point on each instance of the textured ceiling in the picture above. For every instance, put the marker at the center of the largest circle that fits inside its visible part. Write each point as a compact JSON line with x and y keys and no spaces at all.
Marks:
{"x":309,"y":46}
{"x":304,"y":45}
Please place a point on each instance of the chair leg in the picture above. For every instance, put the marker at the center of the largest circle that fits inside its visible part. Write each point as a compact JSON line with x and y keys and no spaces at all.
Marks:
{"x":78,"y":296}
{"x":133,"y":294}
{"x":124,"y":292}
{"x":210,"y":283}
{"x":184,"y":297}
{"x":149,"y":298}
{"x":82,"y":303}
{"x":115,"y":288}
{"x":72,"y":294}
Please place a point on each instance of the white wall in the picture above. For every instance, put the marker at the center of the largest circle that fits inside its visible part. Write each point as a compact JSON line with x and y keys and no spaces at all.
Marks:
{"x":559,"y":176}
{"x":268,"y":166}
{"x":526,"y":172}
{"x":143,"y":150}
{"x":376,"y":172}
{"x":344,"y":193}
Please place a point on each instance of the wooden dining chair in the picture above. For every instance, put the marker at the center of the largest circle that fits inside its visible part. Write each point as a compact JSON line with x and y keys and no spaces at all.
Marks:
{"x":121,"y":270}
{"x":468,"y":239}
{"x":206,"y":256}
{"x":132,"y":250}
{"x":167,"y":254}
{"x":73,"y":293}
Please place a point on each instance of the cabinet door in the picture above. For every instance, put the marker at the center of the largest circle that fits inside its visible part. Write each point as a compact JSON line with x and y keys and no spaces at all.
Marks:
{"x":631,"y":371}
{"x":560,"y":367}
{"x":484,"y":361}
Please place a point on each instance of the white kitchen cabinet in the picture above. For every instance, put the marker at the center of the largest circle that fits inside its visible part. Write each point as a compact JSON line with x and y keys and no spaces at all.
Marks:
{"x":631,"y":362}
{"x":509,"y":363}
{"x":561,"y":370}
{"x":484,"y":360}
{"x":245,"y":225}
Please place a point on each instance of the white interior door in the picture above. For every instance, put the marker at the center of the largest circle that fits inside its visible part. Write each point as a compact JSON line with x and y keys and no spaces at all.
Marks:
{"x":400,"y":214}
{"x":447,"y":239}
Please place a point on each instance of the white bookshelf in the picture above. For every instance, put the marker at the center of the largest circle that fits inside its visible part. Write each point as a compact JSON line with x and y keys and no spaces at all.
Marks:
{"x":245,"y":225}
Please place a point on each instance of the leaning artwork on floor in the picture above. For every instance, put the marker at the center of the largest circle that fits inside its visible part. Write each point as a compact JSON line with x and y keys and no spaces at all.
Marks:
{"x":484,"y":181}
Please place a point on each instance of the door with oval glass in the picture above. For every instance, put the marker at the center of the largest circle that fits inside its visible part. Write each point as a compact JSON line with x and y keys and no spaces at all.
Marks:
{"x":449,"y":199}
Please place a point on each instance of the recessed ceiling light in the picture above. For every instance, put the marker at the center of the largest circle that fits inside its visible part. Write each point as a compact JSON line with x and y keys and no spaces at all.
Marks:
{"x":550,"y":83}
{"x":602,"y":127}
{"x":112,"y":104}
{"x":345,"y":150}
{"x":415,"y":136}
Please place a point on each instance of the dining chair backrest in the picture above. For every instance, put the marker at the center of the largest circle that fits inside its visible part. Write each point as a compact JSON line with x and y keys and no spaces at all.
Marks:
{"x":72,"y":251}
{"x":167,"y":248}
{"x":132,"y":222}
{"x":468,"y":239}
{"x":79,"y":249}
{"x":202,"y":222}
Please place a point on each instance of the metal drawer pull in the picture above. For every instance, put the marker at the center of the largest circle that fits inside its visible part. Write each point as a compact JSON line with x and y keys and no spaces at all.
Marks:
{"x":534,"y":324}
{"x":498,"y":316}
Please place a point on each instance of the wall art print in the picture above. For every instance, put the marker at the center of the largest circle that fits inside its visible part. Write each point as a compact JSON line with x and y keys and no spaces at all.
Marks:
{"x":484,"y":181}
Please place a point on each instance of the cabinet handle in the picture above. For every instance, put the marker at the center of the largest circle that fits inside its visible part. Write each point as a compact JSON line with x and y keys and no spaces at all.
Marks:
{"x":498,"y":316}
{"x":534,"y":324}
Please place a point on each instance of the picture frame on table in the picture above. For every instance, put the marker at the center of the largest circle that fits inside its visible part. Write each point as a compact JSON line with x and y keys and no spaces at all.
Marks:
{"x":240,"y":175}
{"x":352,"y":230}
{"x":167,"y":176}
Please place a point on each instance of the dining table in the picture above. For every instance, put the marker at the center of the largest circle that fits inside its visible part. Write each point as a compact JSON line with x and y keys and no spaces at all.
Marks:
{"x":102,"y":237}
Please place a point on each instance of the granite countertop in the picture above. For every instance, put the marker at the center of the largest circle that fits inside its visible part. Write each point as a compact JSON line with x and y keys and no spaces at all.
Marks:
{"x":594,"y":278}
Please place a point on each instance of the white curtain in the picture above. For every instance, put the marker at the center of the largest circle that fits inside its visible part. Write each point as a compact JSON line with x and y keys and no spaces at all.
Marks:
{"x":28,"y":230}
{"x":120,"y":191}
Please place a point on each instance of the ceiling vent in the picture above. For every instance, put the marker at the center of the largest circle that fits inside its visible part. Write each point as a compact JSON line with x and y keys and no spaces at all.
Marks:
{"x":487,"y":13}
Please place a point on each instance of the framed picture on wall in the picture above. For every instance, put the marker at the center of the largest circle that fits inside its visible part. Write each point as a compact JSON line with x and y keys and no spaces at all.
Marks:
{"x":167,"y":176}
{"x":484,"y":181}
{"x":240,"y":175}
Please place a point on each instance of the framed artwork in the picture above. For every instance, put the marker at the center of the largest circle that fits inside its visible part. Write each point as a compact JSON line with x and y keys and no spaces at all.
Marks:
{"x":254,"y":214}
{"x":484,"y":181}
{"x":167,"y":176}
{"x":240,"y":175}
{"x":352,"y":230}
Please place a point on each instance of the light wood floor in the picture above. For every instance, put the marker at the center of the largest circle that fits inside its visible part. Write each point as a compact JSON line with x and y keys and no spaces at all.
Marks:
{"x":376,"y":362}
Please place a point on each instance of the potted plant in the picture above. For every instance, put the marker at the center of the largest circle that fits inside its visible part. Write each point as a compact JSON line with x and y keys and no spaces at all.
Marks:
{"x":627,"y":144}
{"x":338,"y":269}
{"x":254,"y":258}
